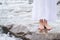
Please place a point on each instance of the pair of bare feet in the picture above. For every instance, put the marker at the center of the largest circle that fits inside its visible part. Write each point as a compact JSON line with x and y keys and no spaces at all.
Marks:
{"x":44,"y":25}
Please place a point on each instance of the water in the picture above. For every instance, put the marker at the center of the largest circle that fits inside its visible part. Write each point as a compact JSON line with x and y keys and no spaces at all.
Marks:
{"x":6,"y":37}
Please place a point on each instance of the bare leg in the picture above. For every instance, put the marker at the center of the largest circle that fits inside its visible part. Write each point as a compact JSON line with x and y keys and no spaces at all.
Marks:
{"x":46,"y":25}
{"x":41,"y":25}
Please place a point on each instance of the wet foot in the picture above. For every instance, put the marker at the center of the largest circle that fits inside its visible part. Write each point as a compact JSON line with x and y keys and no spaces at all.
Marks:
{"x":41,"y":25}
{"x":46,"y":25}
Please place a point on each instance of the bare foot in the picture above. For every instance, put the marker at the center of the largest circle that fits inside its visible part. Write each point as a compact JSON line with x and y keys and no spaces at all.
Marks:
{"x":41,"y":25}
{"x":46,"y":25}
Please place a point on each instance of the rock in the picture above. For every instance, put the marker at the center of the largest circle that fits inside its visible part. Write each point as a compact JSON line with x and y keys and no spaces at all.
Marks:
{"x":19,"y":28}
{"x":9,"y":26}
{"x":58,"y":2}
{"x":0,"y":3}
{"x":48,"y":36}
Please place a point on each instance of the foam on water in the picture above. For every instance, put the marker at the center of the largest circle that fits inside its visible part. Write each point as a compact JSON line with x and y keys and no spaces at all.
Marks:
{"x":6,"y":37}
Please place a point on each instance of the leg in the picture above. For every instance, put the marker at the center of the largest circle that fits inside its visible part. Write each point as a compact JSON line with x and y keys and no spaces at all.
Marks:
{"x":46,"y":25}
{"x":41,"y":25}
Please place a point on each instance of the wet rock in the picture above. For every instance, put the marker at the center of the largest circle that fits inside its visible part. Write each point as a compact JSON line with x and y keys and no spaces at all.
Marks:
{"x":48,"y":36}
{"x":19,"y":28}
{"x":0,"y":3}
{"x":5,"y":30}
{"x":58,"y":2}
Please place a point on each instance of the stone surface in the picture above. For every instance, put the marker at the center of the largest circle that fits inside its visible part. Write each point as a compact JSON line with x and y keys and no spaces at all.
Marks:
{"x":48,"y":36}
{"x":19,"y":28}
{"x":54,"y":34}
